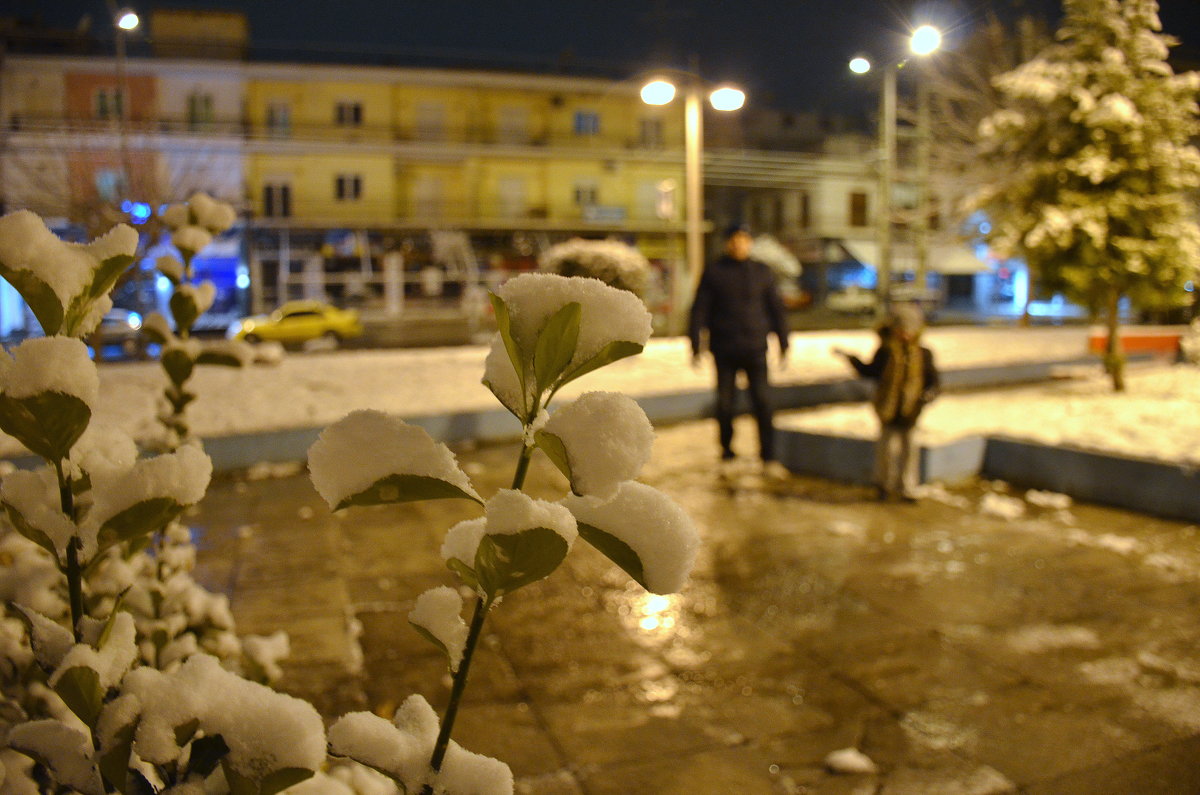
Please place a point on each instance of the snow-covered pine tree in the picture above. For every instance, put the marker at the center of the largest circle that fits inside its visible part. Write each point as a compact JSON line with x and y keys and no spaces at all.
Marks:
{"x":1095,"y":136}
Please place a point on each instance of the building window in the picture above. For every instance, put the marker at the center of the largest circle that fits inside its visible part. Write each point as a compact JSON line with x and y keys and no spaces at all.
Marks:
{"x":587,"y":122}
{"x":279,"y":119}
{"x":587,"y":193}
{"x":650,"y":133}
{"x":110,"y":103}
{"x":431,"y":121}
{"x":348,"y":187}
{"x":858,"y":209}
{"x":511,"y":192}
{"x":199,"y":109}
{"x":277,"y":200}
{"x":514,"y":124}
{"x":348,"y":114}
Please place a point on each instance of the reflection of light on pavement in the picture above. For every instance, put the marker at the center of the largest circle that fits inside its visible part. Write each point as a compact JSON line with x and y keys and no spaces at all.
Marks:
{"x":657,"y":612}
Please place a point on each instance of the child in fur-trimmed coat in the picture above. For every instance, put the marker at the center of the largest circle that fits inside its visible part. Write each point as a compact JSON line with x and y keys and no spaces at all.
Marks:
{"x":906,"y":381}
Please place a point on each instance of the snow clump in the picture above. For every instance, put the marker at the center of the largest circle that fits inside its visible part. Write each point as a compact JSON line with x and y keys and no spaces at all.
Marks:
{"x":191,"y":239}
{"x":1002,"y":506}
{"x":850,"y":761}
{"x":608,"y":439}
{"x":509,"y":512}
{"x":50,"y":364}
{"x":609,"y":315}
{"x":611,"y":261}
{"x":659,"y":532}
{"x":402,"y":748}
{"x":265,"y":730}
{"x":462,"y":541}
{"x":439,"y":612}
{"x":339,"y":470}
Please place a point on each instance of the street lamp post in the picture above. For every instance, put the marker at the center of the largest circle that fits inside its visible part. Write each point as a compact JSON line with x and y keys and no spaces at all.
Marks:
{"x":124,"y":20}
{"x":661,"y":91}
{"x":925,"y":40}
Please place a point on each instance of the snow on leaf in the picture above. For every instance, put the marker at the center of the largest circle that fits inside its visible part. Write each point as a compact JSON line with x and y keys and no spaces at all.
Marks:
{"x":650,"y":524}
{"x":606,"y":438}
{"x":63,"y":749}
{"x":405,"y":464}
{"x":438,"y":615}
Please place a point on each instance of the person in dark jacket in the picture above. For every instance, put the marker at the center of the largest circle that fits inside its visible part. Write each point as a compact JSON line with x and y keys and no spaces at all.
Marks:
{"x":906,"y":381}
{"x":738,"y":303}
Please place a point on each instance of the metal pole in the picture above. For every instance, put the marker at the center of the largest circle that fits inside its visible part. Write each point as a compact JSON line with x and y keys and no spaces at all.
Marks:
{"x":887,"y":158}
{"x":126,"y":103}
{"x":923,"y":192}
{"x":694,"y":187}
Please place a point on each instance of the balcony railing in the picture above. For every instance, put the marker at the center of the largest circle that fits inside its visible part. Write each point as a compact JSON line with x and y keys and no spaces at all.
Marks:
{"x":488,"y":135}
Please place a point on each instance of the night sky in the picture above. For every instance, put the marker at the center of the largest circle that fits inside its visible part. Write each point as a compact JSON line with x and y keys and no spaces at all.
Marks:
{"x":791,"y":53}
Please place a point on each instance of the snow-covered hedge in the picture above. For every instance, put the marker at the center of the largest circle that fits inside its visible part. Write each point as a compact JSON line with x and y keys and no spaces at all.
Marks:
{"x":611,"y":261}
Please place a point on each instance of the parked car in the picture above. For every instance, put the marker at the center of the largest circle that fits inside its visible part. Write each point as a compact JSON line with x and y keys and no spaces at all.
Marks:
{"x":119,"y":335}
{"x":853,"y":300}
{"x":298,"y":322}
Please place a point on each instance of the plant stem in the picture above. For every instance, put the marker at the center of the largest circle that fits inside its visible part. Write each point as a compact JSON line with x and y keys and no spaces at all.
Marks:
{"x":522,"y":467}
{"x":74,"y":571}
{"x":456,"y":690}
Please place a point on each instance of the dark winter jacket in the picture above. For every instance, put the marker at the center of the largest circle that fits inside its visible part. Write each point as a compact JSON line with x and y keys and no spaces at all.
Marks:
{"x":739,"y":304}
{"x":907,"y":380}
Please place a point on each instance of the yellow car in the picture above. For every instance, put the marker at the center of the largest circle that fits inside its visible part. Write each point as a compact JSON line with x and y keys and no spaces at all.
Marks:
{"x":298,"y":322}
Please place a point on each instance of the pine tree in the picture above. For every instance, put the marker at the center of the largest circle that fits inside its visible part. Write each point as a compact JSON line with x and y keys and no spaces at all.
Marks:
{"x":1094,"y":140}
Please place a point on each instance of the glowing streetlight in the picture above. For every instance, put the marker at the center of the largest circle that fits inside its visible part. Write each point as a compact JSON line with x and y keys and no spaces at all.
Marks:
{"x":658,"y":92}
{"x":727,"y":98}
{"x":127,"y":19}
{"x":661,"y":91}
{"x":925,"y":40}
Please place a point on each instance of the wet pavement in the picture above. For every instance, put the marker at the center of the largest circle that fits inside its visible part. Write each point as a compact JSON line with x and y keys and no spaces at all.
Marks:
{"x":961,"y":652}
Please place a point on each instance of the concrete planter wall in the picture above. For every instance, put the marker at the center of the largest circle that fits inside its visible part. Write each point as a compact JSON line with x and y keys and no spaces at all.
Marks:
{"x":1141,"y":485}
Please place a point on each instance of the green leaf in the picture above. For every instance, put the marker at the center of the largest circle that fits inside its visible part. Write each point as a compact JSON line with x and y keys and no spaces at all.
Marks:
{"x":103,"y":279}
{"x":506,"y":562}
{"x":137,"y":520}
{"x":29,"y":531}
{"x":555,"y":450}
{"x":178,"y":365}
{"x":106,"y":632}
{"x":184,"y":310}
{"x":80,"y":690}
{"x":219,"y":358}
{"x":504,"y":326}
{"x":556,"y":344}
{"x":48,"y":423}
{"x":465,"y":572}
{"x":207,"y":753}
{"x":610,"y":353}
{"x":152,"y":335}
{"x":615,"y":550}
{"x":184,"y":732}
{"x":42,"y":300}
{"x":404,"y":488}
{"x":114,"y":763}
{"x":429,"y":636}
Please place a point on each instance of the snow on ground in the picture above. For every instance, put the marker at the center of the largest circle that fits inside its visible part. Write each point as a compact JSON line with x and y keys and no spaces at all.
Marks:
{"x":1157,"y":417}
{"x":317,"y":389}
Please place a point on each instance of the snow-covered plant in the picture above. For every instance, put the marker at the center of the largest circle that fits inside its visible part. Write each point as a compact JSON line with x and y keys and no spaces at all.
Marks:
{"x":611,"y":261}
{"x":193,"y":225}
{"x":77,"y":702}
{"x":1096,"y":165}
{"x":553,"y":330}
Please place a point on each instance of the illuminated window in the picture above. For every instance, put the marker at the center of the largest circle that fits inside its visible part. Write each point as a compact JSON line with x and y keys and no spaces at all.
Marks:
{"x":348,"y":114}
{"x":587,"y":122}
{"x":348,"y":187}
{"x":110,"y":184}
{"x":431,"y":121}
